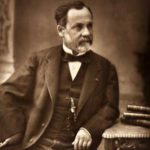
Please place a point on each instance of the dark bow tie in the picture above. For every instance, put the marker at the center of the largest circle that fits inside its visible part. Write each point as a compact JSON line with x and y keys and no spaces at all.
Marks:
{"x":85,"y":58}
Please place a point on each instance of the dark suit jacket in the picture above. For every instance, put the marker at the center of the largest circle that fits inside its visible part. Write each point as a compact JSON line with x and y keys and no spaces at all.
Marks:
{"x":30,"y":95}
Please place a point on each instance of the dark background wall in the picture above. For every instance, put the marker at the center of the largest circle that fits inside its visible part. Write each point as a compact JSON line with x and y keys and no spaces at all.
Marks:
{"x":120,"y":31}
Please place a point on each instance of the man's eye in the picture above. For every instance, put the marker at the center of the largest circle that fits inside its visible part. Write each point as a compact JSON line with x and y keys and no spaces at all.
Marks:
{"x":90,"y":26}
{"x":79,"y":27}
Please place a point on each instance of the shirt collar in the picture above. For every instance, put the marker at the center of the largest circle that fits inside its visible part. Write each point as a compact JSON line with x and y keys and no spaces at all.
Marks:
{"x":69,"y":51}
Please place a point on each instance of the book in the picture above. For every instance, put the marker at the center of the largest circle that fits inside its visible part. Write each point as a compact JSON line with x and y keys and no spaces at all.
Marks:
{"x":137,"y":108}
{"x":129,"y":115}
{"x":137,"y":122}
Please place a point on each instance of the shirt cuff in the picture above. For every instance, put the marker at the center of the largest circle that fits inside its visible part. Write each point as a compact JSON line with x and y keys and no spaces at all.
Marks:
{"x":82,"y":128}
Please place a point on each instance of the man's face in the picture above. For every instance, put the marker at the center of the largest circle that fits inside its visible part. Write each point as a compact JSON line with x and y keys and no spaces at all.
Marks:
{"x":78,"y":32}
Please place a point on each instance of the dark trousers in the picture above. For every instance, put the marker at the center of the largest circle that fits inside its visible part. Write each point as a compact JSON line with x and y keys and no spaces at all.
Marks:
{"x":48,"y":144}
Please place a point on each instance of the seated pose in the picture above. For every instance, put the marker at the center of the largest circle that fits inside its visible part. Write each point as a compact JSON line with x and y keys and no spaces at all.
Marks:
{"x":63,"y":97}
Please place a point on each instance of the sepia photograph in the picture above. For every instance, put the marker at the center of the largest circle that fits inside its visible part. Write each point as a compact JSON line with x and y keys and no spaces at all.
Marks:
{"x":74,"y":75}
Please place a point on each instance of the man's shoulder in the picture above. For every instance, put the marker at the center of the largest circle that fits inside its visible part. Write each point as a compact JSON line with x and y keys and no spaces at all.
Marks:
{"x":39,"y":56}
{"x":99,"y":57}
{"x":47,"y":51}
{"x":103,"y":62}
{"x":44,"y":53}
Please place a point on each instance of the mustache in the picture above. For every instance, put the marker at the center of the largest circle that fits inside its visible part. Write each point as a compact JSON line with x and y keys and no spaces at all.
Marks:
{"x":87,"y":39}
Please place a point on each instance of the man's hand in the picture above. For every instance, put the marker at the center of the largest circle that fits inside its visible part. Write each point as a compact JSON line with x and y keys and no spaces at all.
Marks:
{"x":82,"y":140}
{"x":2,"y":144}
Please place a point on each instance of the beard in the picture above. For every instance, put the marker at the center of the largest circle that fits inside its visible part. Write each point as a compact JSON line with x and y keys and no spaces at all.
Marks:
{"x":84,"y":47}
{"x":84,"y":44}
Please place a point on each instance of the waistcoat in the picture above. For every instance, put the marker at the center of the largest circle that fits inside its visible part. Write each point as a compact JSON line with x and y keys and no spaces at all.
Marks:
{"x":63,"y":121}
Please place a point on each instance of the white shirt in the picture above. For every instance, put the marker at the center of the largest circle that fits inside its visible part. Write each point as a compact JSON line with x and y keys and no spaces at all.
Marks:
{"x":74,"y":69}
{"x":74,"y":66}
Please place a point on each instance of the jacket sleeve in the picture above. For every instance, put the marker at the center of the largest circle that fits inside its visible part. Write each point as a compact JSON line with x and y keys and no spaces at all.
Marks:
{"x":107,"y":115}
{"x":15,"y":95}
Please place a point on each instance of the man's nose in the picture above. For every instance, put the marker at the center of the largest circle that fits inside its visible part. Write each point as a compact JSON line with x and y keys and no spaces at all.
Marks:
{"x":86,"y":32}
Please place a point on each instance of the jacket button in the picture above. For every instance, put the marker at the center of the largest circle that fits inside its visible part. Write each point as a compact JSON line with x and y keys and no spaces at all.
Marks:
{"x":43,"y":124}
{"x":31,"y":140}
{"x":96,"y":79}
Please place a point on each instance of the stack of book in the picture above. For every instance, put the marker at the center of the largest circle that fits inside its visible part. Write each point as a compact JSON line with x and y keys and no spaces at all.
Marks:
{"x":137,"y":115}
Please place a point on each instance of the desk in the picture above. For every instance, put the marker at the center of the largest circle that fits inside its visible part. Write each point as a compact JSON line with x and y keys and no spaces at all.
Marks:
{"x":126,"y":137}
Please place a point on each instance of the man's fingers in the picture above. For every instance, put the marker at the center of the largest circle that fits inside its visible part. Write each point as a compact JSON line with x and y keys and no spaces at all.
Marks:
{"x":80,"y":144}
{"x":89,"y":143}
{"x":84,"y":145}
{"x":2,"y":144}
{"x":82,"y":140}
{"x":75,"y":143}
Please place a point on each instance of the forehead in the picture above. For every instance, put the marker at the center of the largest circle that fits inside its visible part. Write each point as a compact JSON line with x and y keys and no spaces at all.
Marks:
{"x":79,"y":16}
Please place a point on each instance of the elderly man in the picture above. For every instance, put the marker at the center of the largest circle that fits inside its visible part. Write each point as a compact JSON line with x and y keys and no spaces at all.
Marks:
{"x":65,"y":96}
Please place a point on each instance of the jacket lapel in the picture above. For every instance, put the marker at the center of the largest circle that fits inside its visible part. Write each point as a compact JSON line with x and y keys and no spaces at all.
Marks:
{"x":52,"y":71}
{"x":92,"y":77}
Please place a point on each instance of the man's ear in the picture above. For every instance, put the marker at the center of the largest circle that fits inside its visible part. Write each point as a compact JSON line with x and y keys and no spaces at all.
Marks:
{"x":60,"y":30}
